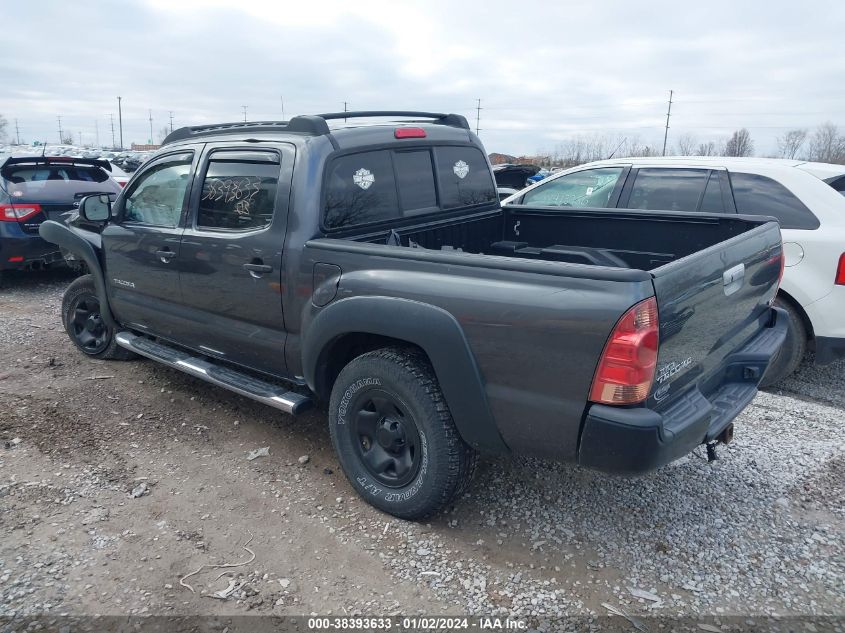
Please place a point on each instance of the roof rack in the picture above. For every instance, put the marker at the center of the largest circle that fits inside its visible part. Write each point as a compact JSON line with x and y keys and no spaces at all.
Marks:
{"x":311,"y":124}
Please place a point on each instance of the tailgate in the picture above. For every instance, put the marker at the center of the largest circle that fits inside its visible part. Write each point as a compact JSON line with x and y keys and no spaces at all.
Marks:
{"x":711,"y":303}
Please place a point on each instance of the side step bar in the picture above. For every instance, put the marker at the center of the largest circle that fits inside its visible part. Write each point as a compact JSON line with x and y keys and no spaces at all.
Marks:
{"x":220,"y":375}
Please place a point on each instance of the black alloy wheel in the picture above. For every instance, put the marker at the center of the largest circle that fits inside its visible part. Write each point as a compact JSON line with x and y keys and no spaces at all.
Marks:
{"x":386,"y":438}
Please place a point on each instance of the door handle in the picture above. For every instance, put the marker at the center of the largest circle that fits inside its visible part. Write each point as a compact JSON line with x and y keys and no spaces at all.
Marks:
{"x":256,"y":270}
{"x":165,"y":255}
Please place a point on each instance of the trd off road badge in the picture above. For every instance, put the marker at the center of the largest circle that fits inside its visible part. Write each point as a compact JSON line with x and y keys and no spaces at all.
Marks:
{"x":461,"y":169}
{"x":363,"y":178}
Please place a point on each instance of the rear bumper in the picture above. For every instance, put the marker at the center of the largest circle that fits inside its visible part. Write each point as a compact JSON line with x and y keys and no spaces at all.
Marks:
{"x":17,"y":252}
{"x":636,"y":440}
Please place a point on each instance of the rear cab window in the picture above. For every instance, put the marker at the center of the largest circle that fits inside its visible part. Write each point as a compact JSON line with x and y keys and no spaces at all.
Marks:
{"x":761,"y":195}
{"x":390,"y":184}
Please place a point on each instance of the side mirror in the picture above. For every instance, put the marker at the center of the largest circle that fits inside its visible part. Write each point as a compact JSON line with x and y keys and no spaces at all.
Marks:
{"x":95,"y":208}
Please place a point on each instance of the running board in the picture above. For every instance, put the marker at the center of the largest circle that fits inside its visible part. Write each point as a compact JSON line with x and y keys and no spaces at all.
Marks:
{"x":220,"y":375}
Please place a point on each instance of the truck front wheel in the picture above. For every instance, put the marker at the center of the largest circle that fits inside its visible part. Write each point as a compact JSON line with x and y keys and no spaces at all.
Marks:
{"x":84,"y":323}
{"x":394,"y":435}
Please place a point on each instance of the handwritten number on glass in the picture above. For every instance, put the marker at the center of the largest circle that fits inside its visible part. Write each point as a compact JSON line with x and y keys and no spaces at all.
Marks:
{"x":238,"y":189}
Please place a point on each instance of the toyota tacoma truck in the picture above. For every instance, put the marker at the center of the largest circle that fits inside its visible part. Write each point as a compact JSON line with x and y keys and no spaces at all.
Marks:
{"x":371,"y":267}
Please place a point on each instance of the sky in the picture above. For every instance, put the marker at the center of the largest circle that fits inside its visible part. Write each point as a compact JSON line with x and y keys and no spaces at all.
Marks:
{"x":544,"y":72}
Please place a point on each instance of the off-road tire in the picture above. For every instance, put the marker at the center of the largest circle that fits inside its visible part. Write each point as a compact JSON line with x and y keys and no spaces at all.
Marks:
{"x":794,"y":348}
{"x":445,"y":462}
{"x":82,"y":289}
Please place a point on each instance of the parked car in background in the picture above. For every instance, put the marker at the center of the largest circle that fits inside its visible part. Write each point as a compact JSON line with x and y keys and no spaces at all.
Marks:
{"x":805,"y":197}
{"x":37,"y":188}
{"x":515,"y":176}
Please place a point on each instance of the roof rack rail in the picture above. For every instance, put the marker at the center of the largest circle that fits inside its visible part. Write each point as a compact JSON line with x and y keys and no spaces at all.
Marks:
{"x":304,"y":124}
{"x":311,"y":124}
{"x":441,"y":118}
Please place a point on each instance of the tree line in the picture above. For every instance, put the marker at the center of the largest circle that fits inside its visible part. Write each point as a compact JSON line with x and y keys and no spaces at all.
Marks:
{"x":825,"y":144}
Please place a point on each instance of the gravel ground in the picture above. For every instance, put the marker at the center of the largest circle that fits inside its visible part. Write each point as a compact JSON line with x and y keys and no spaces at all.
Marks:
{"x":128,"y":476}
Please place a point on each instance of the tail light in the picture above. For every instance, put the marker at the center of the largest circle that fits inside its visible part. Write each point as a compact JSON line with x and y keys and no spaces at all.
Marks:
{"x":840,"y":271}
{"x":18,"y":212}
{"x":625,"y":371}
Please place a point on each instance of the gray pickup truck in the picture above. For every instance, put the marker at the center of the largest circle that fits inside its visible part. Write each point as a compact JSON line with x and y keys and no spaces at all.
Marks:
{"x":372,"y":267}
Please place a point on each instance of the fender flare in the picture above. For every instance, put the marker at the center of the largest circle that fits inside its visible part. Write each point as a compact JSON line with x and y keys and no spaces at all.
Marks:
{"x":65,"y":237}
{"x":429,"y":327}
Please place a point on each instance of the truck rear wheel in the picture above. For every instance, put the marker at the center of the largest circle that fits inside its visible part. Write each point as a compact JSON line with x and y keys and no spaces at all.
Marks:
{"x":394,"y":435}
{"x":794,"y":348}
{"x":85,"y":325}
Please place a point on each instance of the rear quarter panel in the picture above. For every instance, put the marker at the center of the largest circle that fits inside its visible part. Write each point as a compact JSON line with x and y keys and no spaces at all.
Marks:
{"x":536,"y":337}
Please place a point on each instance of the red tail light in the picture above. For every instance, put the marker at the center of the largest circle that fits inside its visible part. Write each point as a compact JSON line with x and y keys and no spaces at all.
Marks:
{"x":18,"y":212}
{"x":840,"y":271}
{"x":122,"y":183}
{"x":626,"y":368}
{"x":409,"y":132}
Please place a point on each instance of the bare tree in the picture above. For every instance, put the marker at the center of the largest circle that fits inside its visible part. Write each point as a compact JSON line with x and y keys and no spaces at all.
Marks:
{"x":706,"y":149}
{"x":162,"y":133}
{"x":686,"y":145}
{"x":67,"y":139}
{"x":827,"y":145}
{"x":791,"y":142}
{"x":739,"y":144}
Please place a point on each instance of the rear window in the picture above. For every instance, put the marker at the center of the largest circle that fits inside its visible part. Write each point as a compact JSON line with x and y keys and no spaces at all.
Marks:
{"x":838,"y":184}
{"x":464,"y":176}
{"x":759,"y":195}
{"x":20,"y":174}
{"x":383,"y":185}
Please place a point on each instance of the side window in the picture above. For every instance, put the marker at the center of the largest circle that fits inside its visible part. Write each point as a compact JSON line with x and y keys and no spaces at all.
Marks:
{"x":360,"y":189}
{"x":668,"y":189}
{"x":158,"y":195}
{"x":759,"y":195}
{"x":712,"y":201}
{"x":238,"y":190}
{"x":464,"y":176}
{"x":587,"y":188}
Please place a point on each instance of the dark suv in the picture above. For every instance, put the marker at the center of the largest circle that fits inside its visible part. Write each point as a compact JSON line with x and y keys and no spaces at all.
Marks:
{"x":38,"y":188}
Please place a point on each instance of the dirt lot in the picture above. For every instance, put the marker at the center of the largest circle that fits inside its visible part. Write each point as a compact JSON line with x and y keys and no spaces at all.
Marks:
{"x":758,"y":532}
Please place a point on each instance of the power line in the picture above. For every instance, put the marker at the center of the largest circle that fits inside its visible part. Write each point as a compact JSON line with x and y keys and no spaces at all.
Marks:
{"x":668,"y":114}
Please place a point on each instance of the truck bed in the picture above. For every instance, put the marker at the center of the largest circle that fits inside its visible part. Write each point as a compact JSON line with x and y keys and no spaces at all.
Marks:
{"x":606,"y":238}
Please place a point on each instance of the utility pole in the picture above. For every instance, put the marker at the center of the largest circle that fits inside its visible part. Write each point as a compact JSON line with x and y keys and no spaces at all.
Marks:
{"x":111,"y":116}
{"x":171,"y":121}
{"x":477,"y":117}
{"x":17,"y":132}
{"x":282,"y":97}
{"x":345,"y":109}
{"x":151,"y":126}
{"x":668,"y":114}
{"x":97,"y":133}
{"x":61,"y":140}
{"x":244,"y":107}
{"x":120,"y":122}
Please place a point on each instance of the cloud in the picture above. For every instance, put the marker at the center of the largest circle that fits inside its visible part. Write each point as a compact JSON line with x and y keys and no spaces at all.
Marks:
{"x":542,"y":74}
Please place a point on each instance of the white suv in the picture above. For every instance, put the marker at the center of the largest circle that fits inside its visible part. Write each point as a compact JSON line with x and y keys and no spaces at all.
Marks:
{"x":807,"y":198}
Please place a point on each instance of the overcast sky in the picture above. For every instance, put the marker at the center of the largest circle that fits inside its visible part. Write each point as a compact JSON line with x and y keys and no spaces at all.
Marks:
{"x":544,"y":71}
